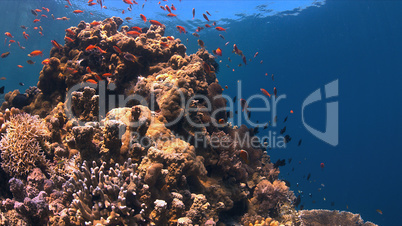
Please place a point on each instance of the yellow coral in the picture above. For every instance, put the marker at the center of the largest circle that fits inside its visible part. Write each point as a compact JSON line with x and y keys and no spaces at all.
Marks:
{"x":20,"y":147}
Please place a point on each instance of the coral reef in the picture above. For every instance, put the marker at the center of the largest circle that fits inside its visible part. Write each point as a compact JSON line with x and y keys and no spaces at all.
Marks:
{"x":114,"y":142}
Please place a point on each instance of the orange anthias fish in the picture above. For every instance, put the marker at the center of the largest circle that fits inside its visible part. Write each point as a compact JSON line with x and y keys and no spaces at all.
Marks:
{"x":9,"y":35}
{"x":220,"y":28}
{"x":244,"y":156}
{"x":89,"y":70}
{"x":92,"y":81}
{"x":265,"y":92}
{"x":164,"y":44}
{"x":36,"y":53}
{"x":95,"y":23}
{"x":116,"y":49}
{"x":243,"y":104}
{"x":172,"y":7}
{"x":155,"y":22}
{"x":36,"y":20}
{"x":128,"y":2}
{"x":143,"y":18}
{"x":90,"y":47}
{"x":100,"y":50}
{"x":69,"y":39}
{"x":4,"y":55}
{"x":133,"y":33}
{"x":70,"y":32}
{"x":56,"y":44}
{"x":20,"y":66}
{"x":207,"y":25}
{"x":275,"y":91}
{"x":181,"y":29}
{"x":77,"y":11}
{"x":107,"y":75}
{"x":193,"y":13}
{"x":170,"y":38}
{"x":137,"y":29}
{"x":218,"y":51}
{"x":171,"y":15}
{"x":46,"y":61}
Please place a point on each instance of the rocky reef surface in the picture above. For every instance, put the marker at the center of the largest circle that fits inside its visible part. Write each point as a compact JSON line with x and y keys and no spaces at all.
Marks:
{"x":108,"y":138}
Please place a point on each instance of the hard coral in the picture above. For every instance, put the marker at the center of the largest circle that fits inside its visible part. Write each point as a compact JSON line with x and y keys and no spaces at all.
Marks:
{"x":20,"y":147}
{"x":268,"y":197}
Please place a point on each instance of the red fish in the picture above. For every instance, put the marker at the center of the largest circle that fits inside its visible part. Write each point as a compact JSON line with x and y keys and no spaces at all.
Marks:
{"x":36,"y":53}
{"x":92,"y":81}
{"x":69,"y":39}
{"x":128,"y":2}
{"x":11,"y":41}
{"x":90,"y":47}
{"x":4,"y":55}
{"x":168,"y":9}
{"x":143,"y":18}
{"x":95,"y":23}
{"x":100,"y":50}
{"x":20,"y":66}
{"x":244,"y":156}
{"x":77,"y":11}
{"x":164,"y":44}
{"x":181,"y":29}
{"x":171,"y":15}
{"x":38,"y":10}
{"x":172,"y":7}
{"x":46,"y":61}
{"x":137,"y":29}
{"x":322,"y":165}
{"x":133,"y":33}
{"x":70,"y":32}
{"x":56,"y":44}
{"x":218,"y":51}
{"x":25,"y":35}
{"x":155,"y":22}
{"x":36,"y":20}
{"x":275,"y":91}
{"x":92,"y":4}
{"x":43,"y":15}
{"x":69,"y":2}
{"x":116,"y":49}
{"x":193,"y":13}
{"x":205,"y":16}
{"x":256,"y":54}
{"x":220,"y":28}
{"x":163,"y":7}
{"x":107,"y":75}
{"x":265,"y":92}
{"x":207,"y":25}
{"x":208,"y":13}
{"x":170,"y":38}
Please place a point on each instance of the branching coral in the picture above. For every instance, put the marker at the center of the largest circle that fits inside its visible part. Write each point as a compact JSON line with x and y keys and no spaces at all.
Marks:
{"x":268,"y":197}
{"x":21,"y":146}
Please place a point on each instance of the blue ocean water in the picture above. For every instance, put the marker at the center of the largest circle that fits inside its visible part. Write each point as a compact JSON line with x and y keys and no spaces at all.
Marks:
{"x":306,"y":45}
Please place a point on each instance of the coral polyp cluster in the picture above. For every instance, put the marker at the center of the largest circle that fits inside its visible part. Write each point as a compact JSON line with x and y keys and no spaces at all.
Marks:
{"x":132,"y":132}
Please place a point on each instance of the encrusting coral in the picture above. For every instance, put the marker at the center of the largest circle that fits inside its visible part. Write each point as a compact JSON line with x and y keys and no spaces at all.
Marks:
{"x":125,"y":151}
